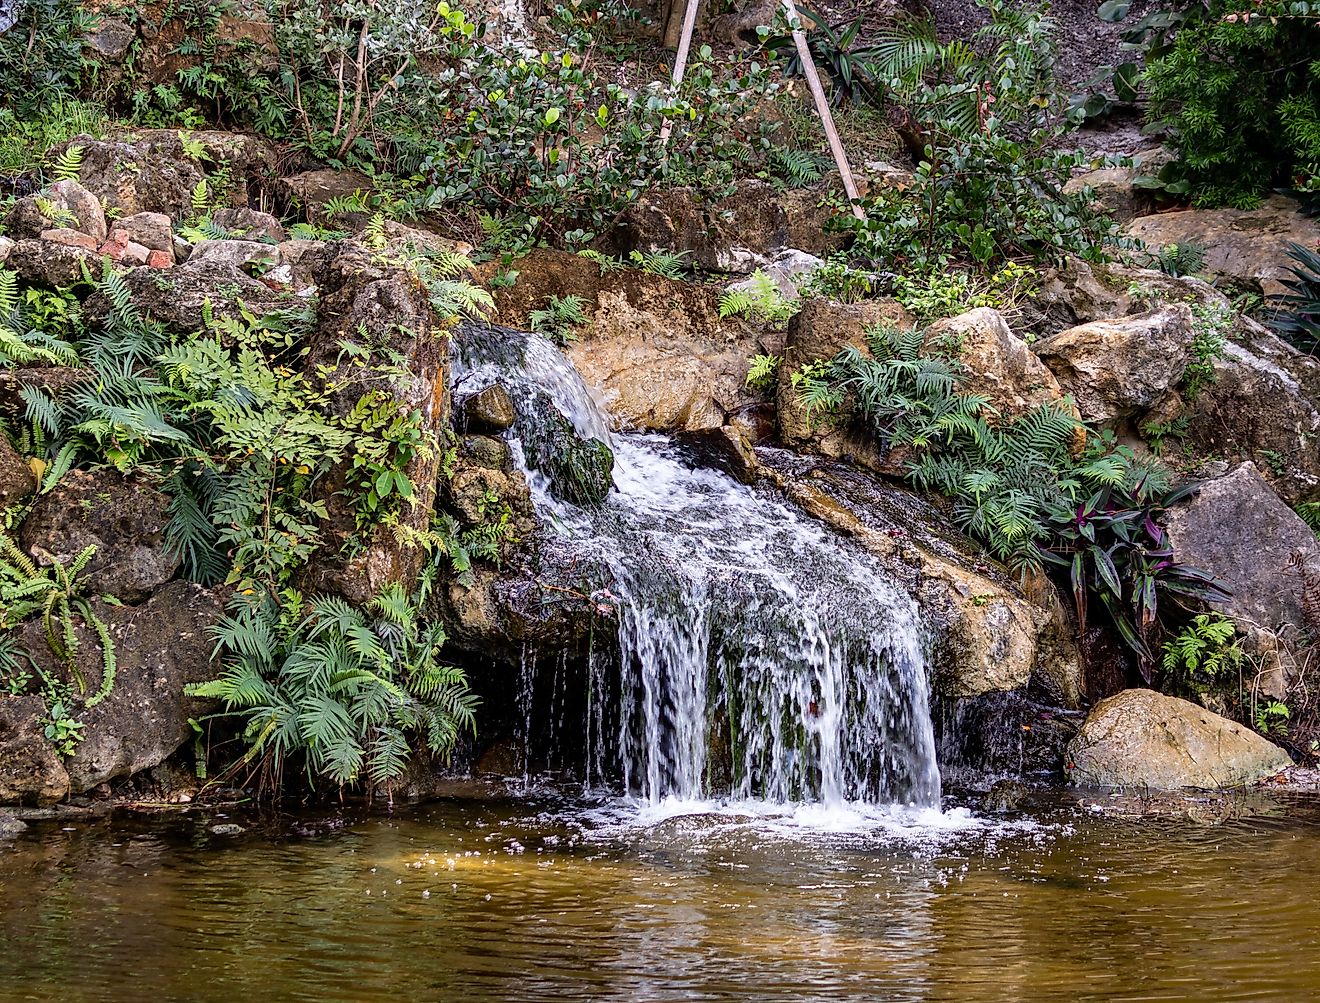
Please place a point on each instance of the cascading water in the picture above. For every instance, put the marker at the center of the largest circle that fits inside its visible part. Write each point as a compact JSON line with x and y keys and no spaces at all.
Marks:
{"x":758,"y":654}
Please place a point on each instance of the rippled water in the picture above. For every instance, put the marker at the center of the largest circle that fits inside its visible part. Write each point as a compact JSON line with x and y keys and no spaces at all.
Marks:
{"x":532,"y":901}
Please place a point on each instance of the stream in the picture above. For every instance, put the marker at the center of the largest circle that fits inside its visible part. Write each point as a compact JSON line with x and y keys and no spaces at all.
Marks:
{"x":567,"y":900}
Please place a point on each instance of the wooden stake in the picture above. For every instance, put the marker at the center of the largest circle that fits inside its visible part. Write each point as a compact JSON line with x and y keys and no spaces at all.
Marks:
{"x":680,"y":64}
{"x":823,"y":109}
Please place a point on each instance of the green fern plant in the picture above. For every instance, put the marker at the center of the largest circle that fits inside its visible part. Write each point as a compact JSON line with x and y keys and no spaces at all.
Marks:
{"x":763,"y":372}
{"x":68,"y":165}
{"x":57,"y":594}
{"x":558,"y":318}
{"x":669,"y":264}
{"x":57,"y":215}
{"x":759,"y":300}
{"x":1203,"y":656}
{"x":341,"y":689}
{"x":21,"y":344}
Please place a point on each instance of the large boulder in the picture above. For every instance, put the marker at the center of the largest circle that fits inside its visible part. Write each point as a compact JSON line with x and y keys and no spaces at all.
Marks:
{"x":1246,"y":249}
{"x":1238,"y":529}
{"x":657,"y":348}
{"x":1140,"y":738}
{"x":50,"y":265}
{"x":31,"y":771}
{"x":160,"y":647}
{"x":152,"y":170}
{"x":63,"y":204}
{"x":998,"y":364}
{"x":124,"y":518}
{"x":1121,"y":368}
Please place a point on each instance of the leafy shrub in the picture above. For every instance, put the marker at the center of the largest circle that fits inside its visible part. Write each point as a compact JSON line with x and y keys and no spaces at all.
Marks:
{"x":847,"y":68}
{"x":558,"y":318}
{"x":1238,"y":86}
{"x":343,"y":690}
{"x":759,"y":300}
{"x":1203,"y":656}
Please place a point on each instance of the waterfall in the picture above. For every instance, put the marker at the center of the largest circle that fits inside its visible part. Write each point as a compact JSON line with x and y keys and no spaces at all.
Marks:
{"x":758,"y":654}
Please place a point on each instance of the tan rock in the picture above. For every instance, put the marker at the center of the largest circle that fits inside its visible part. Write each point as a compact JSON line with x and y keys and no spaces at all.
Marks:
{"x":1140,"y":738}
{"x":999,"y":364}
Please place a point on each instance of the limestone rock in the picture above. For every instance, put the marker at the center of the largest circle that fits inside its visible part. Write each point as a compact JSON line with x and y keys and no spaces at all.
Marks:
{"x":111,"y":38}
{"x":30,"y":769}
{"x":41,"y":263}
{"x":6,"y":245}
{"x":236,"y":253}
{"x":73,"y":207}
{"x":999,"y":364}
{"x":1120,"y":368}
{"x":160,"y":647}
{"x":176,"y":297}
{"x":1140,"y":738}
{"x":249,"y":224}
{"x":788,"y":269}
{"x":150,"y":229}
{"x":149,"y":170}
{"x":310,"y":191}
{"x":657,"y":348}
{"x":1238,"y":529}
{"x":724,"y":448}
{"x":1245,"y":249}
{"x":123,"y":518}
{"x":16,"y":478}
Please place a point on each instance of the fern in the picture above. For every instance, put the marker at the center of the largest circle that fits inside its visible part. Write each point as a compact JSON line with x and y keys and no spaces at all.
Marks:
{"x":759,"y":299}
{"x":669,"y":264}
{"x":21,"y":344}
{"x":558,"y":318}
{"x":68,"y":165}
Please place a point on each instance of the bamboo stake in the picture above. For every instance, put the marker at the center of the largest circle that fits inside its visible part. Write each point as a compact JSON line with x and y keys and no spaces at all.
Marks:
{"x":823,"y":109}
{"x":680,"y":64}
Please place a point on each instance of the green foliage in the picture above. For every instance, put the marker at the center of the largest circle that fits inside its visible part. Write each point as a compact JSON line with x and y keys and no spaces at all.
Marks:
{"x":1298,"y":315}
{"x":340,"y":689}
{"x":1203,"y":657}
{"x":1238,"y":87}
{"x":941,"y":294}
{"x":763,"y":372}
{"x":30,"y":325}
{"x":558,"y":318}
{"x":837,"y":280}
{"x":990,"y":185}
{"x":1179,"y":259}
{"x":1210,"y":329}
{"x":1022,"y":486}
{"x":832,"y":48}
{"x":57,"y":595}
{"x":759,"y":300}
{"x":669,"y":264}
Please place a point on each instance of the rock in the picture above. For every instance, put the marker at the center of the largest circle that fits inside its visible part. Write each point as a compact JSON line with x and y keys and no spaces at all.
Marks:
{"x":1006,"y":796}
{"x":74,"y":207}
{"x":11,"y":827}
{"x":361,"y":293}
{"x":788,"y":269}
{"x":53,"y":381}
{"x":1140,"y":738}
{"x":17,"y":480}
{"x":999,"y":364}
{"x":1245,"y":249}
{"x":176,"y":297}
{"x":1120,"y":368}
{"x":657,"y":348}
{"x":135,"y":254}
{"x":820,"y":331}
{"x":226,"y":829}
{"x":730,"y":234}
{"x":30,"y":769}
{"x":249,"y":224}
{"x":309,"y":192}
{"x":123,"y":518}
{"x":1237,"y":529}
{"x":149,"y":170}
{"x":111,"y":38}
{"x":489,"y":409}
{"x":70,"y":238}
{"x":150,"y":229}
{"x":236,"y":253}
{"x":724,"y":448}
{"x":52,"y":266}
{"x":6,"y":245}
{"x":160,"y":647}
{"x":1112,"y":188}
{"x":160,"y":259}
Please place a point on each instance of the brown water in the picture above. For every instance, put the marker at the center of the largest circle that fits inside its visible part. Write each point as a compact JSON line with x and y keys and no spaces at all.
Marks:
{"x":525,"y":901}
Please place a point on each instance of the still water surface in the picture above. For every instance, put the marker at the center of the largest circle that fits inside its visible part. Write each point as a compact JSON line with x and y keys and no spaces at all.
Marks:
{"x":529,"y":901}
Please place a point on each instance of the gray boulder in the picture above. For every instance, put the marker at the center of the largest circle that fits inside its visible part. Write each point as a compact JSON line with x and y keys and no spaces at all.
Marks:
{"x":123,"y":518}
{"x":1140,"y":738}
{"x":1117,"y":369}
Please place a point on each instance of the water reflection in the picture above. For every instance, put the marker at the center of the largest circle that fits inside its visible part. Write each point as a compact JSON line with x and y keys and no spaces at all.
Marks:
{"x":526,"y":902}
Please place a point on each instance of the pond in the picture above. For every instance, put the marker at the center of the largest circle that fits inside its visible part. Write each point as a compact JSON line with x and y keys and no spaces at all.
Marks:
{"x":560,"y":900}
